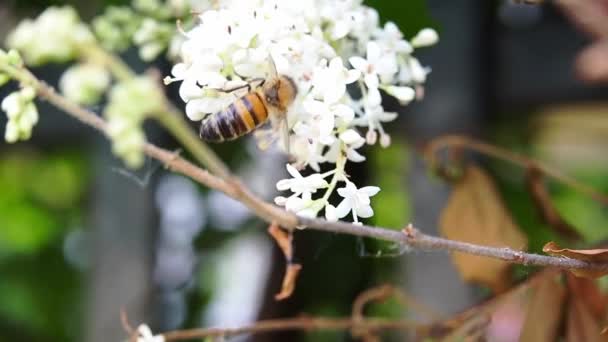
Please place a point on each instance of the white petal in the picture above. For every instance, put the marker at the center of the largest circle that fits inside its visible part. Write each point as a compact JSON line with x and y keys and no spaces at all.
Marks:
{"x":179,"y":70}
{"x":293,"y":172}
{"x":334,"y":93}
{"x":425,"y":37}
{"x":189,"y":90}
{"x":350,"y":136}
{"x":340,"y":30}
{"x":370,"y":190}
{"x":349,"y":190}
{"x":342,"y":209}
{"x":403,"y":94}
{"x":365,"y":211}
{"x":359,"y":63}
{"x":316,"y":181}
{"x":352,"y":75}
{"x":295,"y":204}
{"x":373,"y":52}
{"x":373,"y":97}
{"x":280,"y":201}
{"x":193,"y":110}
{"x":336,"y":64}
{"x":371,"y":81}
{"x":331,"y":213}
{"x":354,"y":156}
{"x":418,"y":73}
{"x":284,"y":184}
{"x":344,"y":112}
{"x":387,"y":116}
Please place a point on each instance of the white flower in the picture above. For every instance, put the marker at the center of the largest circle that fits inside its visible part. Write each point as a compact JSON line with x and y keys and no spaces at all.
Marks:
{"x":298,"y":184}
{"x":426,"y":37}
{"x":329,"y":82}
{"x":85,"y":83}
{"x":347,"y":145}
{"x":392,"y":38}
{"x":378,"y":67}
{"x":144,"y":334}
{"x":356,"y":201}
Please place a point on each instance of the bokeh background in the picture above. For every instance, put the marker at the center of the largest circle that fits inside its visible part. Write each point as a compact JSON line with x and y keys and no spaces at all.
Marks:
{"x":81,"y":237}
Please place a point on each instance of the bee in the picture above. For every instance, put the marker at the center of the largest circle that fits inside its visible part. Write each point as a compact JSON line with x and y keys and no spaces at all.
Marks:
{"x":269,"y":99}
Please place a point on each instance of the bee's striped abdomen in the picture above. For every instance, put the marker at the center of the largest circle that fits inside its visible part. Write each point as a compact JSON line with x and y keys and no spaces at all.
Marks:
{"x":239,"y":118}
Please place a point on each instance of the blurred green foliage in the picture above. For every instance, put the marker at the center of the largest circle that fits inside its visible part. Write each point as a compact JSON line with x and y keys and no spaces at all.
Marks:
{"x":41,"y":200}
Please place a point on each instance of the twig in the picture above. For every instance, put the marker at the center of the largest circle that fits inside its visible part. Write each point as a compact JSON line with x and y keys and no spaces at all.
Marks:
{"x":299,"y":323}
{"x":514,"y":158}
{"x":410,"y":238}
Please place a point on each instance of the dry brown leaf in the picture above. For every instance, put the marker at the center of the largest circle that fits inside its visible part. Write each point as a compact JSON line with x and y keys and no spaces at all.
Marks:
{"x":591,"y":255}
{"x":283,"y":240}
{"x":542,"y":200}
{"x":289,"y":281}
{"x":475,"y":213}
{"x":547,"y":303}
{"x":580,"y":323}
{"x":588,"y":291}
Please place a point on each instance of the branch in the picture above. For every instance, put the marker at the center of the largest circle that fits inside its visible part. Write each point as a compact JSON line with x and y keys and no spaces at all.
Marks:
{"x":514,"y":158}
{"x":299,"y":323}
{"x":410,"y":238}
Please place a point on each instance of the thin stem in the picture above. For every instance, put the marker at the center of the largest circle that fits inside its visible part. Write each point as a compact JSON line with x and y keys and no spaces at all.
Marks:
{"x":338,"y":172}
{"x":514,"y":158}
{"x":117,"y":67}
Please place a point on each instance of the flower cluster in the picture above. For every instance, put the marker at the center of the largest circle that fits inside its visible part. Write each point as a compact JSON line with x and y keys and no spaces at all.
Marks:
{"x":85,"y":83}
{"x":22,"y":114}
{"x":149,"y":24}
{"x":129,"y":103}
{"x":56,"y":35}
{"x":324,"y":46}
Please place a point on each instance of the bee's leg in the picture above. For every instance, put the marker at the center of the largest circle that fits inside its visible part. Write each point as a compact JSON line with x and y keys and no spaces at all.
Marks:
{"x":248,"y":85}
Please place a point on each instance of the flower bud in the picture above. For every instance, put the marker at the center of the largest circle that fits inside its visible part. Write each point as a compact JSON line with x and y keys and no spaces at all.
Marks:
{"x":385,"y":140}
{"x":14,"y":58}
{"x":371,"y":137}
{"x":426,"y":37}
{"x":84,"y":83}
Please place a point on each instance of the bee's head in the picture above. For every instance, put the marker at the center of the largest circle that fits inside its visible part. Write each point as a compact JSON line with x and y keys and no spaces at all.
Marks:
{"x":281,"y":92}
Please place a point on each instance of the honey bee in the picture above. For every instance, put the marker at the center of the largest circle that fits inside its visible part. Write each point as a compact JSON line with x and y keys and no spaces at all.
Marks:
{"x":269,"y":99}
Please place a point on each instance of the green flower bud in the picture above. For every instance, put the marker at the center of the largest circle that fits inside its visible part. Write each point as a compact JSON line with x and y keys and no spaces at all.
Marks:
{"x":14,"y":58}
{"x":85,"y":83}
